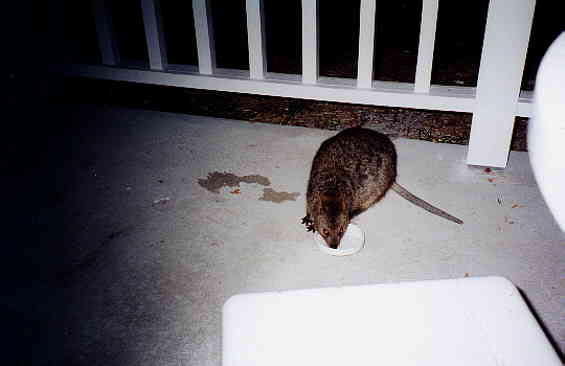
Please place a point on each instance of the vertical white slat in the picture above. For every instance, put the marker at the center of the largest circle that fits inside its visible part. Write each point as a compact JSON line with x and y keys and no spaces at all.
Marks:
{"x":426,"y":46}
{"x":154,"y":35}
{"x":204,"y":36}
{"x":104,"y":30}
{"x":502,"y":63}
{"x":310,"y":41}
{"x":256,"y":39}
{"x":366,"y":43}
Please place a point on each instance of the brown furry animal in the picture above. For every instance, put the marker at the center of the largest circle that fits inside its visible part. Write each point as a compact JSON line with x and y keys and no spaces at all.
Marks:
{"x":350,"y":172}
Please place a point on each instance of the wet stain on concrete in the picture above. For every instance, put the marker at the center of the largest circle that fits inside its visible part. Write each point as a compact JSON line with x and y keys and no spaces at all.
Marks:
{"x":270,"y":194}
{"x":217,"y":180}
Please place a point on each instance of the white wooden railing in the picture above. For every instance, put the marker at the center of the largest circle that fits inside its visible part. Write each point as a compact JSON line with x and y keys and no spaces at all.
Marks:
{"x":495,"y":102}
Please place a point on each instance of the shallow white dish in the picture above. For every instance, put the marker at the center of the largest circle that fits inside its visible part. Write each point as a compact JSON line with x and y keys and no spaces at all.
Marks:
{"x":352,"y":242}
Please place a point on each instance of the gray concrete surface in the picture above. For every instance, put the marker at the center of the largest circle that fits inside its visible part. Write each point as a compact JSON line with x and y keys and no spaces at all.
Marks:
{"x":149,"y":255}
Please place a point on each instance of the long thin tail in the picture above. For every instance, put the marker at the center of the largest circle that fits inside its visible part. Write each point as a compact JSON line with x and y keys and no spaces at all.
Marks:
{"x":423,"y":204}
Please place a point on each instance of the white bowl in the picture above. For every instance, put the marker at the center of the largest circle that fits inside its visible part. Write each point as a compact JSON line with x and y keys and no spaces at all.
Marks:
{"x":352,"y":242}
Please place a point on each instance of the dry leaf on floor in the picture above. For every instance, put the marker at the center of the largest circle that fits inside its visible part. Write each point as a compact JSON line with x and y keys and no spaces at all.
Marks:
{"x":161,"y":200}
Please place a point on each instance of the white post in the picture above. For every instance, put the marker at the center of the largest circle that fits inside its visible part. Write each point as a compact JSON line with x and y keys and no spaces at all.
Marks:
{"x":366,"y":44}
{"x":309,"y":41}
{"x":106,"y":40}
{"x":204,"y":36}
{"x":154,"y":35}
{"x":502,"y":63}
{"x":256,"y":39}
{"x":426,"y":46}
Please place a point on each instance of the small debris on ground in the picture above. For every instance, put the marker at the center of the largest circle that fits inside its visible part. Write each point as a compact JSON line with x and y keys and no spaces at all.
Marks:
{"x":491,"y":180}
{"x":161,"y":201}
{"x":236,"y":191}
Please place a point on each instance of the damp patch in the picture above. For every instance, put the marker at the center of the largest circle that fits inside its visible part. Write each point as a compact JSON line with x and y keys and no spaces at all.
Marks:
{"x":271,"y":195}
{"x":216,"y":180}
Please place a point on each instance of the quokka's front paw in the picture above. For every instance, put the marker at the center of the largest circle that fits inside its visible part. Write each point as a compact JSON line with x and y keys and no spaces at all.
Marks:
{"x":307,"y":221}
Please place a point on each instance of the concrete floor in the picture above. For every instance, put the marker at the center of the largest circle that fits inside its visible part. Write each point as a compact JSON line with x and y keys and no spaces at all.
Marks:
{"x":149,"y":255}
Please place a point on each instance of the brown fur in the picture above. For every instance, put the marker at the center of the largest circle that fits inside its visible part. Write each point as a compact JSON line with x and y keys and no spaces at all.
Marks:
{"x":351,"y":172}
